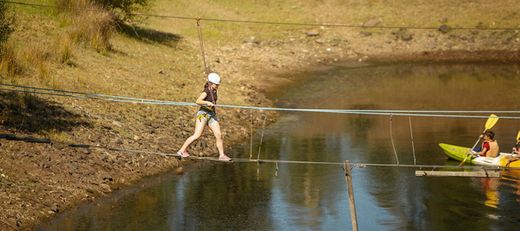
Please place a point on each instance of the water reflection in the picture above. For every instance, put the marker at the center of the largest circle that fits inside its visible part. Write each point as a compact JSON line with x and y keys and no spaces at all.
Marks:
{"x":489,"y":187}
{"x":313,"y":197}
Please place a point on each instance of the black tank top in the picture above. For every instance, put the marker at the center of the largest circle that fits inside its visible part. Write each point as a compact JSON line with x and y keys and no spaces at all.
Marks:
{"x":211,"y":96}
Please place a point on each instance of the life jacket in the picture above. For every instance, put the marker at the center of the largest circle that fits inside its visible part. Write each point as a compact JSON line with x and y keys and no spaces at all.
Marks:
{"x":493,"y":149}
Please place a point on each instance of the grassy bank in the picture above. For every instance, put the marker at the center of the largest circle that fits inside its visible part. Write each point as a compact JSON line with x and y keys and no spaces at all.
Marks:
{"x":159,"y":58}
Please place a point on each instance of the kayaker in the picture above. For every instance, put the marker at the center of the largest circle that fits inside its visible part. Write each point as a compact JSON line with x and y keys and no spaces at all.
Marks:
{"x":516,"y":148}
{"x":489,"y":145}
{"x":207,"y":115}
{"x":516,"y":153}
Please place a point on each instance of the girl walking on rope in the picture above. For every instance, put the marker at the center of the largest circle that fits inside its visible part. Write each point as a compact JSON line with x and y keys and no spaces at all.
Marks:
{"x":207,"y":115}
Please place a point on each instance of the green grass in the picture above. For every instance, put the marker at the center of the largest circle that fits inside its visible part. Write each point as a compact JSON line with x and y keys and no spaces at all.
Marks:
{"x":463,"y":13}
{"x":33,"y":10}
{"x":416,"y":13}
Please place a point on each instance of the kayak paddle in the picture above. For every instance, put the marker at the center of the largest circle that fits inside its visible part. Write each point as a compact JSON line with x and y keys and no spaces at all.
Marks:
{"x":491,"y":121}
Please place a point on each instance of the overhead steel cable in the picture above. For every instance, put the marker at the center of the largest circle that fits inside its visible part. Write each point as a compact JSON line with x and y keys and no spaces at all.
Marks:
{"x":319,"y":24}
{"x":40,"y":93}
{"x":40,"y":88}
{"x":125,"y":99}
{"x":181,"y":17}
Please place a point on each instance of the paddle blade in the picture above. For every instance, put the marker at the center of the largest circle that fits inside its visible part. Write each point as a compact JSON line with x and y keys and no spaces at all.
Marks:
{"x":492,"y":120}
{"x":518,"y":136}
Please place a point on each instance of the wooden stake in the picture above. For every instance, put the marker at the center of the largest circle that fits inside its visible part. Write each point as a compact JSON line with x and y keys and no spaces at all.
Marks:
{"x":251,"y":142}
{"x":350,"y":190}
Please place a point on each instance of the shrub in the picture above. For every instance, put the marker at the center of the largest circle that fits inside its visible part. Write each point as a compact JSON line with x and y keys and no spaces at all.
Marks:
{"x":9,"y":65}
{"x":121,"y":7}
{"x":125,"y":6}
{"x":64,"y":47}
{"x":89,"y":23}
{"x":6,"y":23}
{"x":38,"y":56}
{"x":94,"y":29}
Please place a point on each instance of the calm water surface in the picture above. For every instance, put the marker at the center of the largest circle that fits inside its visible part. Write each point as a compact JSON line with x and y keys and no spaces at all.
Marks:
{"x":246,"y":196}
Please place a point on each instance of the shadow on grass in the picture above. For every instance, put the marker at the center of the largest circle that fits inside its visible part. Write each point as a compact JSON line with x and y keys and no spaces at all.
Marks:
{"x":149,"y":35}
{"x":32,"y":114}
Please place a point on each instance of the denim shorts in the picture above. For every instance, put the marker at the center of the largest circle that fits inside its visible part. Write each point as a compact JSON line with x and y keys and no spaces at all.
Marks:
{"x":210,"y":116}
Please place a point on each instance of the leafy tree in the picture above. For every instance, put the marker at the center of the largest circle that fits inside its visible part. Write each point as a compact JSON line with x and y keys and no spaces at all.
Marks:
{"x":126,"y":6}
{"x":121,"y":8}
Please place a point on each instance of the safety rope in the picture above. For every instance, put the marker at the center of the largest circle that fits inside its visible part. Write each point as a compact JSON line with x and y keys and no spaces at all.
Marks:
{"x":411,"y":137}
{"x":261,"y":138}
{"x":125,"y":99}
{"x":392,"y":140}
{"x":201,"y":42}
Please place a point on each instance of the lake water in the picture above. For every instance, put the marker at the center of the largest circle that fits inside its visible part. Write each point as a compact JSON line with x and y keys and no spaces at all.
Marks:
{"x":247,"y":196}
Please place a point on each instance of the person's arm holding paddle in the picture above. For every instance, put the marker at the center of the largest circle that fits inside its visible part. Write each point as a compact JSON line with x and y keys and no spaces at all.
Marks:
{"x":491,"y":121}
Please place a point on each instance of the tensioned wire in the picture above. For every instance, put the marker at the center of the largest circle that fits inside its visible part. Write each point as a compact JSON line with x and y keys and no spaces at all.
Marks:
{"x":247,"y":160}
{"x":273,"y":22}
{"x":126,"y":99}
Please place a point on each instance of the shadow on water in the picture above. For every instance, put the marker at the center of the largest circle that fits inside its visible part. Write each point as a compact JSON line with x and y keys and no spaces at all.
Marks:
{"x":29,"y":113}
{"x":149,"y":35}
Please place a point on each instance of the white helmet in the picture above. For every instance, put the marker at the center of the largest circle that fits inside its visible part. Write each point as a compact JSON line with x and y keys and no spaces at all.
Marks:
{"x":214,"y":78}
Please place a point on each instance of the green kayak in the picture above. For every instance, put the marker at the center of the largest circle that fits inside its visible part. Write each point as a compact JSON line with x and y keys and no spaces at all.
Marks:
{"x":455,"y":152}
{"x":460,"y":153}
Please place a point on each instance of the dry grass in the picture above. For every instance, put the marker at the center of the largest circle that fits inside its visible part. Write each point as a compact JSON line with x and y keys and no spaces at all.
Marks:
{"x":9,"y":65}
{"x":38,"y":57}
{"x":83,"y":23}
{"x":30,"y":59}
{"x":88,"y":23}
{"x":93,"y":29}
{"x":58,"y":136}
{"x":64,"y":50}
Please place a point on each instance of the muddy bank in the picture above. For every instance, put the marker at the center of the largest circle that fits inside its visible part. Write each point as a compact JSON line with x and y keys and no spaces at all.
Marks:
{"x":500,"y":56}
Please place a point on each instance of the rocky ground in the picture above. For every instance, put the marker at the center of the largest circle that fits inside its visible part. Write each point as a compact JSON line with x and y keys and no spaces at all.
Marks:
{"x":38,"y":180}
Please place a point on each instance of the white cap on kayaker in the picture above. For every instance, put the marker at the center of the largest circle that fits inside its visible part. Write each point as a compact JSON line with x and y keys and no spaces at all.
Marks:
{"x":214,"y":78}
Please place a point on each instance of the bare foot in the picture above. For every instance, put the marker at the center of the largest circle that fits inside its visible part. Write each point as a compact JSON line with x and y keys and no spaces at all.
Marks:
{"x":223,"y":157}
{"x":183,"y":154}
